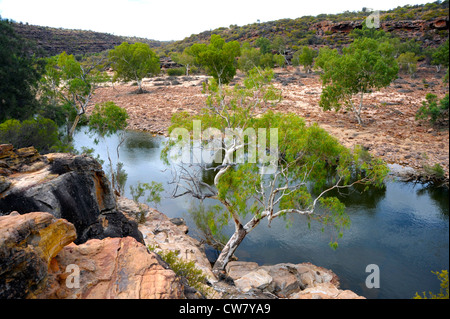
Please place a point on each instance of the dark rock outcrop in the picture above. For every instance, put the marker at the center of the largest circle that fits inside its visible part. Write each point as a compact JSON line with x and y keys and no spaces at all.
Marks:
{"x":425,"y":31}
{"x":71,"y":187}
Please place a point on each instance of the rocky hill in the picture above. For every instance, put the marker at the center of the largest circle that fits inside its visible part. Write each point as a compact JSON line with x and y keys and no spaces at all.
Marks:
{"x":53,"y":41}
{"x":427,"y":23}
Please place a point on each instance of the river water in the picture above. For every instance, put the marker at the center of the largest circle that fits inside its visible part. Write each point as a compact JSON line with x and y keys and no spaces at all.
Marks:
{"x":403,"y":229}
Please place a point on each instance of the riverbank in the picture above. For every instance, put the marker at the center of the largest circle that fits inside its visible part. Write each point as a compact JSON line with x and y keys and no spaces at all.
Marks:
{"x":390,"y":130}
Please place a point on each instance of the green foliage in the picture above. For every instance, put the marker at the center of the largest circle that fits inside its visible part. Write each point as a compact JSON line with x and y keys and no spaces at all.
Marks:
{"x":154,"y":192}
{"x":218,"y":58}
{"x":185,"y":59}
{"x":304,"y":57}
{"x":264,"y":45}
{"x":279,"y":45}
{"x":372,"y":33}
{"x":39,"y":132}
{"x":443,"y":293}
{"x":249,"y":59}
{"x":67,"y":87}
{"x":107,"y":118}
{"x":133,"y":62}
{"x":440,"y":57}
{"x":434,"y":172}
{"x":176,"y":72}
{"x":279,"y":60}
{"x":153,"y":196}
{"x":431,"y":110}
{"x":210,"y":222}
{"x":187,"y":269}
{"x":20,"y":71}
{"x":366,"y":65}
{"x":408,"y":62}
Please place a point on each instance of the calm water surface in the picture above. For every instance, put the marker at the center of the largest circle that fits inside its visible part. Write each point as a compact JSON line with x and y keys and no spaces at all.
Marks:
{"x":404,"y":229}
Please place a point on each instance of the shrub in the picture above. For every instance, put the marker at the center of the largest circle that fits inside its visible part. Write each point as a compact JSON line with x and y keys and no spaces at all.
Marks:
{"x":39,"y":132}
{"x":176,"y":72}
{"x":433,"y":111}
{"x":408,"y":62}
{"x":435,"y":171}
{"x":187,"y":269}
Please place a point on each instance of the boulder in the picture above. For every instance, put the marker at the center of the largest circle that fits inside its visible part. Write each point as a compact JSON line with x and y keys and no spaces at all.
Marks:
{"x":293,"y":281}
{"x":27,"y":245}
{"x":71,"y":187}
{"x":112,"y":268}
{"x":160,"y":232}
{"x":258,"y":279}
{"x":325,"y":291}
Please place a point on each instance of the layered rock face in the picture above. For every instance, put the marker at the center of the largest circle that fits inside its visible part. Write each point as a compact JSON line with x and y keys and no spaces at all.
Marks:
{"x":71,"y":187}
{"x":112,"y":268}
{"x":426,"y":31}
{"x":62,"y":235}
{"x":27,"y":245}
{"x":39,"y":260}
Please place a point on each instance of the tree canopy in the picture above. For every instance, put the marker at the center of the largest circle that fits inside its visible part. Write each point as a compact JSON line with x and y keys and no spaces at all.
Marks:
{"x":70,"y":83}
{"x":364,"y":66}
{"x":133,"y":62}
{"x":218,"y":58}
{"x":20,"y":72}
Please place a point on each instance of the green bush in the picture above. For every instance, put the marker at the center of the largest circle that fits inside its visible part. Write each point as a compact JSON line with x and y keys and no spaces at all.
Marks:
{"x":39,"y":132}
{"x":176,"y":72}
{"x":431,"y":110}
{"x":435,"y":171}
{"x":187,"y":269}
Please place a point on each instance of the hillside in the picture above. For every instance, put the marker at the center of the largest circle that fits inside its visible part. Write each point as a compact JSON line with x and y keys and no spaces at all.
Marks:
{"x":428,"y":23}
{"x":53,"y":41}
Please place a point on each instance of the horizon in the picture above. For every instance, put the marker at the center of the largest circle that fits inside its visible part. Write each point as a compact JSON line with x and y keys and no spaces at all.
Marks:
{"x":193,"y":19}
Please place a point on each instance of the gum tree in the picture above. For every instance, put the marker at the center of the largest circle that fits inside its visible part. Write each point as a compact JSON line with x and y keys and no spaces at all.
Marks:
{"x":107,"y":119}
{"x":304,"y":57}
{"x":133,"y":62}
{"x":218,"y":58}
{"x":255,"y":179}
{"x":71,"y":83}
{"x":365,"y":66}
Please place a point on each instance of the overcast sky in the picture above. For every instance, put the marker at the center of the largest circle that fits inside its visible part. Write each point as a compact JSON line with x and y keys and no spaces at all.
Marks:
{"x":176,"y":19}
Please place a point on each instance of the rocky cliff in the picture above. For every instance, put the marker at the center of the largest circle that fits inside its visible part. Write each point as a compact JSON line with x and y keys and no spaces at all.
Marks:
{"x":427,"y":32}
{"x":53,"y":41}
{"x":74,"y":188}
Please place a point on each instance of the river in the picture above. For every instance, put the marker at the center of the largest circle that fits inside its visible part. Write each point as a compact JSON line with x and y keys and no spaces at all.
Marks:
{"x":403,"y":229}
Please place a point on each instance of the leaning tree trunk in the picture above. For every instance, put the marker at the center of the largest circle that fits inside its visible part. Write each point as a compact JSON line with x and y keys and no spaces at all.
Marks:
{"x":229,"y":249}
{"x":233,"y":243}
{"x":74,"y":125}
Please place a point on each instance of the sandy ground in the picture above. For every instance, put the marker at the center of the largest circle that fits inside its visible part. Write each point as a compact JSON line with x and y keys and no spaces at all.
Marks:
{"x":390,"y":130}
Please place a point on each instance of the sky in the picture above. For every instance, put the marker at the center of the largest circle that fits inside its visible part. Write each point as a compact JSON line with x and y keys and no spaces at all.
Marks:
{"x":173,"y":19}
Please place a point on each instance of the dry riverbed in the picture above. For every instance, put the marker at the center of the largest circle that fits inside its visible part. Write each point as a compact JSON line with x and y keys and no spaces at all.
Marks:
{"x":390,"y":130}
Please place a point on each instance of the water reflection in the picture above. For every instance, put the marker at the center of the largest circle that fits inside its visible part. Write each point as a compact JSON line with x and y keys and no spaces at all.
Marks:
{"x":402,"y":228}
